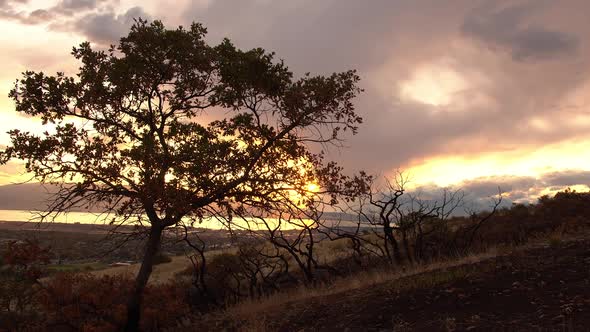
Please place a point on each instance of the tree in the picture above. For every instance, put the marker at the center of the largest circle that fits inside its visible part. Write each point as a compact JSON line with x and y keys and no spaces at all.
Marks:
{"x":132,"y":136}
{"x":403,"y":222}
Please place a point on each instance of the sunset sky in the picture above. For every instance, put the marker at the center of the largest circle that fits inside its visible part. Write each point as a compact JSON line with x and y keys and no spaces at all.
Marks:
{"x":477,"y":94}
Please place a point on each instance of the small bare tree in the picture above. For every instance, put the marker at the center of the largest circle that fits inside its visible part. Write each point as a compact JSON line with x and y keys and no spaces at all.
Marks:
{"x":408,"y":223}
{"x":464,"y":237}
{"x":385,"y":214}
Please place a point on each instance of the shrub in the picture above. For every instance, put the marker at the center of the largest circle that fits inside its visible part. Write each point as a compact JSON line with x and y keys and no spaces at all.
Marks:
{"x":22,"y":266}
{"x":83,"y":302}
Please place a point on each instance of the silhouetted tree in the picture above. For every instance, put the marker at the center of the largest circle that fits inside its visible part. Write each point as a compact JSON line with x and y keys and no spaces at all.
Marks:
{"x":405,"y":223}
{"x":295,"y":227}
{"x":164,"y":126}
{"x":467,"y":235}
{"x":384,"y":212}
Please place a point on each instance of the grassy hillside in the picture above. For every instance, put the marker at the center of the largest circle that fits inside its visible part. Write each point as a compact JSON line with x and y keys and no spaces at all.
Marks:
{"x":526,"y":270}
{"x":538,"y":287}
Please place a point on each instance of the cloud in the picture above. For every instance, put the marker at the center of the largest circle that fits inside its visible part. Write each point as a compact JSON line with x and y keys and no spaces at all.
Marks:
{"x":108,"y":27}
{"x":79,"y":4}
{"x":390,"y":42}
{"x":480,"y":193}
{"x":12,"y":10}
{"x":510,"y":101}
{"x":507,"y":28}
{"x":9,"y":9}
{"x":9,"y":3}
{"x":567,"y":178}
{"x":97,"y":20}
{"x":518,"y":188}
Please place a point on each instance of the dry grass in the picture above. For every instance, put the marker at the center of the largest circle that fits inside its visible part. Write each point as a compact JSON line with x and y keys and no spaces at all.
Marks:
{"x":449,"y":324}
{"x":251,"y":312}
{"x":161,"y":273}
{"x":330,"y":251}
{"x":254,"y":308}
{"x":400,"y":325}
{"x":557,"y":236}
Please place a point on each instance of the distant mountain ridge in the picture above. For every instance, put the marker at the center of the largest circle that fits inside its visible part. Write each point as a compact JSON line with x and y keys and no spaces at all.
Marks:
{"x":342,"y":216}
{"x":34,"y":196}
{"x":27,"y":196}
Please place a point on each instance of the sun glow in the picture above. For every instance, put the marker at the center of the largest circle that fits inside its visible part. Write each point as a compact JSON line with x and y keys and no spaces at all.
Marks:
{"x":312,"y":187}
{"x":450,"y":170}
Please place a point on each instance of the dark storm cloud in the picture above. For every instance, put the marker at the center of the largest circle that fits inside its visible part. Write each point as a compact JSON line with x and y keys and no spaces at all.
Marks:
{"x":35,"y":17}
{"x":95,"y":19}
{"x":557,"y":180}
{"x":312,"y":35}
{"x":507,"y":28}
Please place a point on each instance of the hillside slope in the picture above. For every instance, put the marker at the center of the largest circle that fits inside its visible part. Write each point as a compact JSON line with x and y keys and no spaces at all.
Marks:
{"x":541,"y":289}
{"x":26,"y":196}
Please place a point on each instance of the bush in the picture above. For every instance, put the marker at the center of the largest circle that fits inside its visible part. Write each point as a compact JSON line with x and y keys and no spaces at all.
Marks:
{"x":83,"y":302}
{"x":22,"y":265}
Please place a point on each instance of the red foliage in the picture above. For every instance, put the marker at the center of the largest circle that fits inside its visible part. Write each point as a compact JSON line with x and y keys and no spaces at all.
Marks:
{"x":20,"y":269}
{"x":26,"y":257}
{"x":83,"y":302}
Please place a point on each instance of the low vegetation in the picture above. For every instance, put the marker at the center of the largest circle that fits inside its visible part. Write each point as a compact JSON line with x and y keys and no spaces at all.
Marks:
{"x":231,"y":288}
{"x":82,"y":267}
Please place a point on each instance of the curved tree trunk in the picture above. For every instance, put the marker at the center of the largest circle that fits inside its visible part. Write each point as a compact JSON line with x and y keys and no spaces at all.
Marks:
{"x":396,"y":252}
{"x":407,"y":246}
{"x":420,"y":244}
{"x":397,"y":257}
{"x":134,"y":304}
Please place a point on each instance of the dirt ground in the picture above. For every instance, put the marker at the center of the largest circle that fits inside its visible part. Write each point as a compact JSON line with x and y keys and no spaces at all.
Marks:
{"x":541,"y":289}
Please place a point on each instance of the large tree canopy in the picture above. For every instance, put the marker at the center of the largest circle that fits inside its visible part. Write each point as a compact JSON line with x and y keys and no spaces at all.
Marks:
{"x":133,"y":124}
{"x":165,"y":126}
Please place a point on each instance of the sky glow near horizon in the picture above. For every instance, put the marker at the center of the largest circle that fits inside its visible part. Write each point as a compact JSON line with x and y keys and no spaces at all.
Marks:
{"x":468,"y":93}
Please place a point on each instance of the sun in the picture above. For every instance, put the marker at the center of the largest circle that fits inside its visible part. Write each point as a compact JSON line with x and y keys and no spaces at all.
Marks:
{"x":312,"y":187}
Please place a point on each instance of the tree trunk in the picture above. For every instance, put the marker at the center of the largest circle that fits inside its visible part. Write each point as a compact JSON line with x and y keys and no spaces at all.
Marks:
{"x":397,"y":257}
{"x":134,"y":304}
{"x":419,"y":244}
{"x":396,"y":252}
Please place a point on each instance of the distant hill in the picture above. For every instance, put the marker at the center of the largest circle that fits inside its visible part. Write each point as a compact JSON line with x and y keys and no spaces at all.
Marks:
{"x":28,"y":196}
{"x":34,"y":196}
{"x":31,"y":196}
{"x":341,"y":216}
